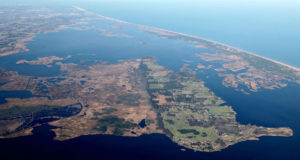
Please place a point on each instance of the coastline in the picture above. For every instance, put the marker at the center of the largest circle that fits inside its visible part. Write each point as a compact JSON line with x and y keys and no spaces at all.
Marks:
{"x":229,"y":47}
{"x":195,"y":37}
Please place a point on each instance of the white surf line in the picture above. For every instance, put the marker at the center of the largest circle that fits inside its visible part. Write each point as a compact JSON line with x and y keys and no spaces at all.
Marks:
{"x":192,"y":36}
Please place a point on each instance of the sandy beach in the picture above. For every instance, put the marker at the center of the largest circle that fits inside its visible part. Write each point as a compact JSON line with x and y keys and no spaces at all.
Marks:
{"x":195,"y":37}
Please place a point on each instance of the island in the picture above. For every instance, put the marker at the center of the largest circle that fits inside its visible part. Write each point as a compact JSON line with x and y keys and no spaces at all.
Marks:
{"x":239,"y":67}
{"x":193,"y":116}
{"x":129,"y":96}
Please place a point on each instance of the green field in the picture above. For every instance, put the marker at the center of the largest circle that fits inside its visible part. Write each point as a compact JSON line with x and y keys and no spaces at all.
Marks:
{"x":194,"y":116}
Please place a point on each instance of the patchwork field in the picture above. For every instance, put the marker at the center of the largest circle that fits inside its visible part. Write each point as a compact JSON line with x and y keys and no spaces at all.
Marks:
{"x":192,"y":115}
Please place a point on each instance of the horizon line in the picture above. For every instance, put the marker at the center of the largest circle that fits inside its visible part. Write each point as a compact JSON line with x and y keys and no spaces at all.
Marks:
{"x":192,"y":36}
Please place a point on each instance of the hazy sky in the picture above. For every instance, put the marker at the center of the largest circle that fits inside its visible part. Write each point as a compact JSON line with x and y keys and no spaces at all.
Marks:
{"x":162,"y":2}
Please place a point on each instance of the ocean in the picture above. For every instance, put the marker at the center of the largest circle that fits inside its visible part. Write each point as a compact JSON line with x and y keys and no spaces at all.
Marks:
{"x":270,"y":30}
{"x":267,"y":28}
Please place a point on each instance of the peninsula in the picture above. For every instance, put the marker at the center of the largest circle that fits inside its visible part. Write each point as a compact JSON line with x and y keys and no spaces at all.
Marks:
{"x":133,"y":94}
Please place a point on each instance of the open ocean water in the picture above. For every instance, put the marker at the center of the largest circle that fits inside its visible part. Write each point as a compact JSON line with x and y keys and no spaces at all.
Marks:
{"x":268,"y":29}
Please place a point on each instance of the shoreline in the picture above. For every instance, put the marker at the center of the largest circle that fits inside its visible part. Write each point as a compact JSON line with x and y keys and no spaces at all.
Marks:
{"x":229,"y":47}
{"x":196,"y":37}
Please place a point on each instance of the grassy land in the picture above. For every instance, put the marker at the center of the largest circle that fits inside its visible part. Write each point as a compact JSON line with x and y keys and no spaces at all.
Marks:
{"x":39,"y":111}
{"x":117,"y":125}
{"x":253,"y":60}
{"x":191,"y":114}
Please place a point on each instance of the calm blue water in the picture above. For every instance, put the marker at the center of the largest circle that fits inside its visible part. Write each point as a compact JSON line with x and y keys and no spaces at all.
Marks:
{"x":275,"y":108}
{"x":90,"y":45}
{"x":269,"y":27}
{"x":14,"y":94}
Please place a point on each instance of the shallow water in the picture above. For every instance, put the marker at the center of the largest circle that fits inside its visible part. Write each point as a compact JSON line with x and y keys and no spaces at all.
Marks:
{"x":271,"y":108}
{"x":269,"y":28}
{"x":14,"y":94}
